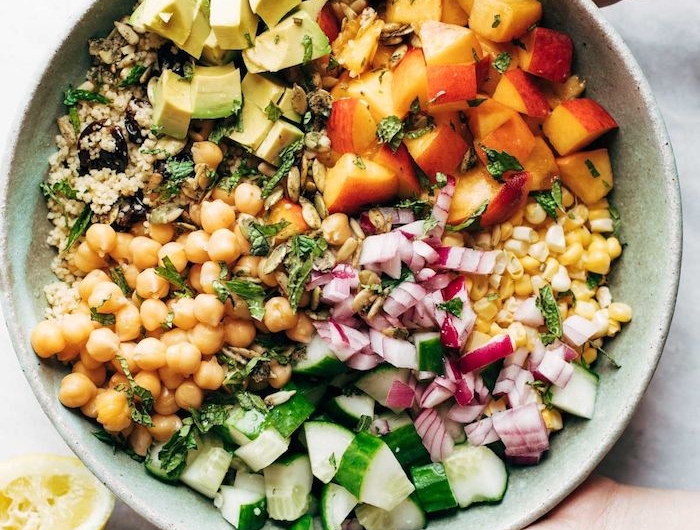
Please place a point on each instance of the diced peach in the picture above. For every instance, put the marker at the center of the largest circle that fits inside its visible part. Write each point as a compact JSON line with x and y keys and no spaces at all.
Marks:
{"x":356,"y":45}
{"x":454,"y":13}
{"x":488,"y":116}
{"x":438,"y":151}
{"x":509,"y":199}
{"x":490,"y":77}
{"x":355,"y":182}
{"x":328,"y":22}
{"x":448,"y":44}
{"x":517,"y":91}
{"x":374,"y":88}
{"x":457,"y":121}
{"x":414,"y":11}
{"x":514,"y":137}
{"x":450,"y":87}
{"x":547,"y":53}
{"x":412,"y":82}
{"x":401,"y":164}
{"x":473,"y":189}
{"x":504,"y":20}
{"x":588,"y":174}
{"x":542,"y":165}
{"x":351,"y":127}
{"x":286,"y":210}
{"x":576,"y":123}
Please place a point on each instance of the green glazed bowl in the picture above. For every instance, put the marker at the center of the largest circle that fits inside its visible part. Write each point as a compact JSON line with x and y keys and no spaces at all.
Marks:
{"x":646,"y":193}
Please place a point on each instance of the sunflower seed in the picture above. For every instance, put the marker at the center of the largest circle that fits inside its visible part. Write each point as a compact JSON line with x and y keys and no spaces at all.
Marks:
{"x":275,"y":259}
{"x":233,"y":352}
{"x":347,"y":249}
{"x":364,"y":298}
{"x":294,"y":184}
{"x":317,"y":141}
{"x":318,"y":173}
{"x":310,"y":187}
{"x":357,"y":229}
{"x":392,"y":30}
{"x":348,"y":12}
{"x":319,"y":315}
{"x":320,"y":206}
{"x":299,"y":102}
{"x":164,"y":214}
{"x":274,"y":198}
{"x":278,"y":398}
{"x":266,"y":169}
{"x":310,"y":214}
{"x":376,"y":307}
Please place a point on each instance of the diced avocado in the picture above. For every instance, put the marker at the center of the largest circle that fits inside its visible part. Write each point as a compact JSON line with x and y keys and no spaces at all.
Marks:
{"x":234,"y":23}
{"x":280,"y":136}
{"x":172,"y":109}
{"x":313,"y":7}
{"x":253,"y":126}
{"x":216,"y":91}
{"x":213,"y":54}
{"x":171,"y":19}
{"x":200,"y":29}
{"x":286,"y":106}
{"x":261,"y":90}
{"x":295,"y":40}
{"x":272,"y":11}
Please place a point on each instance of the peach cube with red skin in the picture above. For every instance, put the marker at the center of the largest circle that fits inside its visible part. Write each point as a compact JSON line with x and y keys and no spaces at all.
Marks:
{"x":412,"y":82}
{"x":440,"y":150}
{"x":547,"y":54}
{"x":473,"y":189}
{"x":450,"y":87}
{"x":513,"y":137}
{"x":588,"y":174}
{"x":542,"y":165}
{"x":449,"y":44}
{"x":509,"y":199}
{"x":517,"y":91}
{"x":576,"y":123}
{"x":351,"y":127}
{"x":503,"y":20}
{"x":401,"y":164}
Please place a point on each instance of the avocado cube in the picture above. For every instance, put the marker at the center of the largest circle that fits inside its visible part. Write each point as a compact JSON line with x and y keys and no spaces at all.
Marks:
{"x":272,"y":11}
{"x":216,"y":91}
{"x":171,"y":19}
{"x":172,"y":108}
{"x":253,"y":127}
{"x":280,"y":136}
{"x":261,"y":90}
{"x":213,"y":54}
{"x":234,"y":23}
{"x":313,"y":7}
{"x":295,"y":40}
{"x":286,"y":106}
{"x":200,"y":30}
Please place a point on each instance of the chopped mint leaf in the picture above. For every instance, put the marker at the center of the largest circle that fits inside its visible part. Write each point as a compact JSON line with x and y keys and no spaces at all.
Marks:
{"x":176,"y":172}
{"x":210,"y":415}
{"x":429,"y":223}
{"x":140,"y":399}
{"x":499,"y":162}
{"x":520,"y":44}
{"x":470,"y":222}
{"x":251,"y":402}
{"x":610,"y":359}
{"x":104,"y":319}
{"x":248,"y":40}
{"x":593,"y":280}
{"x":440,"y":179}
{"x":454,"y":306}
{"x":389,"y":284}
{"x":188,"y":71}
{"x":332,"y":62}
{"x":229,"y":125}
{"x":169,"y":322}
{"x":251,"y":293}
{"x":390,"y":131}
{"x":173,"y":455}
{"x":57,"y":190}
{"x":288,"y":158}
{"x":550,"y":200}
{"x":496,"y":21}
{"x":547,"y":305}
{"x":134,"y":76}
{"x":591,"y":167}
{"x":273,"y":112}
{"x":364,"y":424}
{"x":617,"y":221}
{"x":171,"y":274}
{"x":259,"y":236}
{"x":502,"y":62}
{"x":73,"y":95}
{"x":299,"y":263}
{"x":421,"y":208}
{"x":79,"y":227}
{"x":308,"y":45}
{"x":117,"y":275}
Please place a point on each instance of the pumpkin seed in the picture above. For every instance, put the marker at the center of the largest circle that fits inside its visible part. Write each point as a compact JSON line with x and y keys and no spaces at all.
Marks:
{"x":318,"y":173}
{"x":369,"y":278}
{"x":274,"y":198}
{"x":299,"y":102}
{"x":393,"y":30}
{"x":166,"y":213}
{"x":309,"y":213}
{"x":397,"y":56}
{"x":376,"y":307}
{"x":325,"y":262}
{"x":357,"y":229}
{"x":319,"y":315}
{"x":320,"y":206}
{"x":294,"y":184}
{"x":278,"y":398}
{"x":347,"y":249}
{"x":244,"y":221}
{"x":275,"y":259}
{"x":317,"y":141}
{"x":282,"y":282}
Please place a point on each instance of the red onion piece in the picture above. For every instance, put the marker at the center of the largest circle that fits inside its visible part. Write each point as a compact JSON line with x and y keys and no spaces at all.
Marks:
{"x":468,"y":260}
{"x":397,"y":352}
{"x":553,"y":369}
{"x":516,"y":384}
{"x":403,"y":298}
{"x":318,"y":279}
{"x":363,"y":362}
{"x":438,"y":391}
{"x":380,"y":427}
{"x":413,"y":230}
{"x":522,"y":431}
{"x":497,"y":348}
{"x":529,"y":314}
{"x":345,"y":341}
{"x":465,"y":414}
{"x":436,"y":439}
{"x":481,"y":432}
{"x":518,"y":357}
{"x":454,"y":330}
{"x":437,"y":282}
{"x":400,"y":396}
{"x":578,"y":330}
{"x":441,"y":210}
{"x":463,"y":394}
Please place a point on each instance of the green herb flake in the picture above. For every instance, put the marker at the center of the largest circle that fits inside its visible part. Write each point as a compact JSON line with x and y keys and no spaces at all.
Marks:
{"x":188,"y":71}
{"x":499,"y":162}
{"x":308,"y":45}
{"x":473,"y":103}
{"x":140,"y":399}
{"x":591,"y":167}
{"x":251,"y":293}
{"x":429,"y":223}
{"x":470,"y":222}
{"x":73,"y":95}
{"x":273,"y":112}
{"x":173,"y":455}
{"x":299,"y":262}
{"x":496,"y":21}
{"x":228,"y":126}
{"x":176,"y":173}
{"x":364,"y":423}
{"x":104,"y":319}
{"x":169,"y":322}
{"x":248,"y":39}
{"x":454,"y":307}
{"x":171,"y":274}
{"x":609,"y":357}
{"x":118,"y":442}
{"x":502,"y":62}
{"x":547,"y":304}
{"x":133,"y":77}
{"x":117,"y":275}
{"x":251,"y":401}
{"x":420,"y":207}
{"x":79,"y":227}
{"x":390,"y":131}
{"x":210,"y":415}
{"x":260,"y":235}
{"x":440,"y":180}
{"x":520,"y":44}
{"x":359,"y":162}
{"x":288,"y":158}
{"x":617,"y":221}
{"x":58,"y":191}
{"x":593,"y":280}
{"x":550,"y":200}
{"x":332,"y":62}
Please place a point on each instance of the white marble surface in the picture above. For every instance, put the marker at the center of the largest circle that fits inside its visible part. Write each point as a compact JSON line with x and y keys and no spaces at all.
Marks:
{"x":660,"y":447}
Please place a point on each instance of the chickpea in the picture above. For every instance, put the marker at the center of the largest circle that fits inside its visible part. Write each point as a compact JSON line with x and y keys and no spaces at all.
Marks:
{"x":176,"y":253}
{"x":196,"y":246}
{"x":107,"y":297}
{"x":85,"y":259}
{"x":184,"y":358}
{"x":121,"y":251}
{"x":243,"y":242}
{"x":138,"y":229}
{"x":113,"y":410}
{"x":223,"y":246}
{"x":84,"y":309}
{"x":76,"y":390}
{"x":90,"y":408}
{"x":280,"y":374}
{"x":268,"y":279}
{"x":247,"y":266}
{"x":70,"y":352}
{"x":174,"y":336}
{"x":131,"y":272}
{"x":336,"y":229}
{"x":207,"y":153}
{"x":164,"y":426}
{"x":208,"y":309}
{"x":248,"y":198}
{"x":101,"y":238}
{"x":184,"y":313}
{"x":195,"y":278}
{"x":144,"y":252}
{"x":239,"y":333}
{"x":303,"y":330}
{"x":149,"y":354}
{"x":208,"y":339}
{"x":150,"y":285}
{"x":261,"y":327}
{"x":118,"y":381}
{"x":155,"y":334}
{"x":97,"y":375}
{"x":103,"y":344}
{"x":47,"y":338}
{"x":126,"y":352}
{"x":128,"y":323}
{"x":216,"y":215}
{"x":88,"y":283}
{"x":195,"y":213}
{"x":210,"y":375}
{"x":165,"y":402}
{"x":223,"y":195}
{"x":279,"y":315}
{"x":88,"y":362}
{"x":237,"y":308}
{"x":150,"y":381}
{"x":140,"y":440}
{"x":170,"y":378}
{"x":208,"y":274}
{"x":162,"y":233}
{"x":188,"y":395}
{"x":153,"y":314}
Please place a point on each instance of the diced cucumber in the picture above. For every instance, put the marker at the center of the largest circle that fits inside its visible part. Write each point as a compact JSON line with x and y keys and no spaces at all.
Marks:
{"x":306,"y":522}
{"x":377,"y":383}
{"x":371,"y":472}
{"x":408,"y":515}
{"x":287,"y":488}
{"x":431,"y":354}
{"x":320,"y":360}
{"x":348,"y":410}
{"x":403,"y":440}
{"x":244,"y":506}
{"x":154,"y":466}
{"x":579,"y":395}
{"x":475,"y":474}
{"x":292,"y":414}
{"x":336,"y":505}
{"x":244,"y":425}
{"x":344,"y":380}
{"x":326,"y":443}
{"x":208,"y":470}
{"x":264,"y":450}
{"x":432,"y":488}
{"x":250,"y":481}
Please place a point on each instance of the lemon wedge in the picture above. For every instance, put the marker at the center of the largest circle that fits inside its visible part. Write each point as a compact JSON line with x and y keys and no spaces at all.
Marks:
{"x":40,"y":492}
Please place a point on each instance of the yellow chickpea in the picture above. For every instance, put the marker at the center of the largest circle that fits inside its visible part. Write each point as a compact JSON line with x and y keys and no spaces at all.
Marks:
{"x":150,"y":285}
{"x":76,"y":390}
{"x":336,"y":229}
{"x":47,"y":338}
{"x":140,"y":440}
{"x":184,"y":358}
{"x":303,"y":330}
{"x":195,"y":213}
{"x":280,"y":374}
{"x":207,"y":153}
{"x":247,"y":266}
{"x":183,"y":313}
{"x":176,"y":253}
{"x":162,"y":233}
{"x":121,"y":252}
{"x":126,"y":353}
{"x":70,"y":352}
{"x":208,"y":309}
{"x":208,"y":339}
{"x":128,"y":323}
{"x":208,"y":274}
{"x":144,"y":252}
{"x":107,"y":297}
{"x":223,"y":246}
{"x":174,"y":336}
{"x":150,"y":381}
{"x":195,"y":278}
{"x":164,"y":426}
{"x":165,"y":402}
{"x":90,"y":408}
{"x":243,"y":242}
{"x":88,"y":362}
{"x":85,"y":259}
{"x":268,"y":279}
{"x":196,"y":246}
{"x":138,"y":229}
{"x":149,"y":354}
{"x":102,"y":345}
{"x":239,"y":333}
{"x":223,"y":195}
{"x":113,"y":410}
{"x":279,"y":315}
{"x":216,"y":215}
{"x":188,"y":395}
{"x":101,"y":238}
{"x":88,"y":283}
{"x":153,"y":314}
{"x":131,"y":272}
{"x":248,"y":198}
{"x":210,"y":375}
{"x":97,"y":375}
{"x":170,"y":378}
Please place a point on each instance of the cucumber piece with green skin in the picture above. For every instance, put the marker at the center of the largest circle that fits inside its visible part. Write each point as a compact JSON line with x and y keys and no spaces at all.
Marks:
{"x":291,"y":415}
{"x":370,"y":471}
{"x":250,"y":481}
{"x":244,"y":504}
{"x":208,"y":470}
{"x":336,"y":505}
{"x":243,"y":425}
{"x":154,"y":466}
{"x":287,"y":487}
{"x":306,"y":522}
{"x":403,"y":440}
{"x":264,"y":450}
{"x":408,"y":515}
{"x":579,"y":395}
{"x":475,"y":474}
{"x":378,"y":382}
{"x":432,"y":488}
{"x":348,"y":410}
{"x":326,"y":443}
{"x":320,"y":360}
{"x":431,"y":354}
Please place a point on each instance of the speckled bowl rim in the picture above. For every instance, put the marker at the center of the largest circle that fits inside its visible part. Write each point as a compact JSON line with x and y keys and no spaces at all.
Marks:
{"x":104,"y":470}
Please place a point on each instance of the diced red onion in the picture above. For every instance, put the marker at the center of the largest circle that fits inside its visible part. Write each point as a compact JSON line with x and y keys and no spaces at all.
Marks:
{"x":343,"y":310}
{"x":553,"y":369}
{"x":400,"y":396}
{"x":463,"y":394}
{"x":529,"y":314}
{"x":481,"y":432}
{"x":425,"y":251}
{"x":397,"y":352}
{"x":318,"y":279}
{"x":497,"y":348}
{"x":438,"y":391}
{"x":518,"y":357}
{"x":403,"y":298}
{"x":363,"y":362}
{"x":424,"y":275}
{"x":515,"y":383}
{"x":464,"y":259}
{"x":431,"y":429}
{"x":345,"y":341}
{"x":455,"y":330}
{"x":465,"y":414}
{"x":380,"y":427}
{"x":577,"y":330}
{"x":441,"y":210}
{"x":522,"y":431}
{"x":413,"y":230}
{"x":337,"y":290}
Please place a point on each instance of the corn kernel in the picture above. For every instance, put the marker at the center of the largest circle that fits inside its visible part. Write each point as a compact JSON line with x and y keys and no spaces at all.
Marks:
{"x":620,"y":312}
{"x":525,"y":233}
{"x":482,"y":325}
{"x":479,"y":288}
{"x":597,"y":241}
{"x":602,"y":322}
{"x":585,"y":236}
{"x":603,"y":296}
{"x":517,"y":332}
{"x":590,"y":355}
{"x":581,"y":290}
{"x":519,"y":248}
{"x":504,"y":318}
{"x":523,"y":285}
{"x":514,"y":267}
{"x":576,"y":272}
{"x":573,"y":237}
{"x":555,"y":239}
{"x":596,"y":261}
{"x":453,"y":239}
{"x":495,"y":235}
{"x":551,"y":268}
{"x":517,"y":218}
{"x":601,"y":226}
{"x":585,"y":309}
{"x":572,"y":221}
{"x":507,"y":288}
{"x":563,"y":307}
{"x":614,"y":247}
{"x":495,"y":280}
{"x":535,"y":214}
{"x":594,"y":214}
{"x":530,"y":264}
{"x":506,"y":231}
{"x":571,"y":255}
{"x":477,"y":339}
{"x":567,"y":199}
{"x":552,"y":419}
{"x":496,"y":405}
{"x":539,"y":251}
{"x":485,"y":309}
{"x":496,"y":330}
{"x":537,"y":283}
{"x":614,"y":328}
{"x":561,"y":281}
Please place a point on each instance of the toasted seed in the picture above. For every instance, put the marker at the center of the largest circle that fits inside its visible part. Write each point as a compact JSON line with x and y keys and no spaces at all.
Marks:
{"x":347,"y":249}
{"x":310,"y":214}
{"x":294,"y":184}
{"x":266,"y":169}
{"x":368,"y":277}
{"x":309,"y":186}
{"x":325,"y":262}
{"x":318,"y":173}
{"x":392,"y":30}
{"x":318,"y":315}
{"x":283,"y":282}
{"x":299,"y":102}
{"x":166,"y":213}
{"x":230,"y":351}
{"x":348,"y":12}
{"x":274,"y":198}
{"x":278,"y":398}
{"x":321,"y":207}
{"x":364,"y":298}
{"x":397,"y":56}
{"x":496,"y":235}
{"x":67,"y":130}
{"x":376,"y":307}
{"x":315,"y":298}
{"x":275,"y":259}
{"x":317,"y":141}
{"x":244,"y":221}
{"x":357,"y":229}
